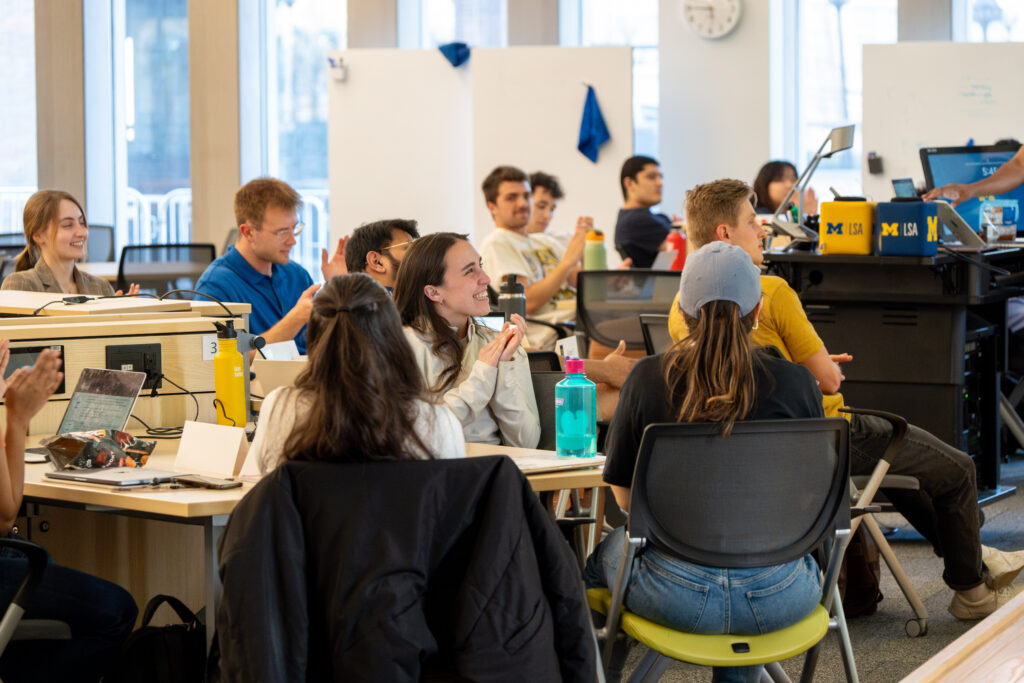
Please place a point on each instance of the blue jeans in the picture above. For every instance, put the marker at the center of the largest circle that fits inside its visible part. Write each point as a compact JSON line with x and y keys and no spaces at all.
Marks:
{"x":696,"y":599}
{"x":101,"y":615}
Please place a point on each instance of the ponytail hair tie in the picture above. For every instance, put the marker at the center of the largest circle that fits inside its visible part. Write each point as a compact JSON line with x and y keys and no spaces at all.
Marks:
{"x":342,"y":309}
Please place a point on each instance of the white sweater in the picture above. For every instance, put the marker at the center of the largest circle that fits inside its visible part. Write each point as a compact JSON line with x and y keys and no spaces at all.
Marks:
{"x":435,"y":424}
{"x":495,"y":405}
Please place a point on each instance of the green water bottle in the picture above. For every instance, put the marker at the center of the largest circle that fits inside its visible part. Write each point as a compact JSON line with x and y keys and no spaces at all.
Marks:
{"x":575,"y":413}
{"x":594,"y":255}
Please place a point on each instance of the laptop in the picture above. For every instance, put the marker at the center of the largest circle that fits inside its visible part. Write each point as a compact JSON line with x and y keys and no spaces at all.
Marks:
{"x":967,"y":238}
{"x":272,"y":374}
{"x":116,"y":476}
{"x":103,"y":399}
{"x":903,"y":187}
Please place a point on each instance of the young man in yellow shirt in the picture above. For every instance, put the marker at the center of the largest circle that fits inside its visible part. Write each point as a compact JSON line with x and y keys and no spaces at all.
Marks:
{"x":945,"y":511}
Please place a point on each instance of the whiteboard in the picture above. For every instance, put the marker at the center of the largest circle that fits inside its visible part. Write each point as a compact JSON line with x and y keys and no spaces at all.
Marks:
{"x":527,"y":107}
{"x":923,"y":94}
{"x":410,"y":136}
{"x":398,"y":141}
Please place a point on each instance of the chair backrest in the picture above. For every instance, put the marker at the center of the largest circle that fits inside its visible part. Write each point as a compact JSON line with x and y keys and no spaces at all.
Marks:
{"x":544,"y":391}
{"x":608,"y":303}
{"x":6,"y":267}
{"x":101,"y":243}
{"x":159,"y":268}
{"x":765,"y":495}
{"x":655,"y":330}
{"x":544,"y":361}
{"x":230,"y":240}
{"x":11,"y":244}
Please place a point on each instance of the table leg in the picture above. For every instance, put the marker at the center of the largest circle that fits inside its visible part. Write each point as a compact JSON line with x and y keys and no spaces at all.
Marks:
{"x":212,"y":530}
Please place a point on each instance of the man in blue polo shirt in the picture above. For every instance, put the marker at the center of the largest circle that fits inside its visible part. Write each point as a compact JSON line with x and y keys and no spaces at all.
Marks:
{"x":257,"y":269}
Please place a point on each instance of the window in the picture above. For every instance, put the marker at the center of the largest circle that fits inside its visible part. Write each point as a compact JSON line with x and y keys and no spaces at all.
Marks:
{"x":829,"y":36}
{"x":588,"y":23}
{"x":429,"y":23}
{"x":989,"y":21}
{"x":18,"y":173}
{"x":289,"y":128}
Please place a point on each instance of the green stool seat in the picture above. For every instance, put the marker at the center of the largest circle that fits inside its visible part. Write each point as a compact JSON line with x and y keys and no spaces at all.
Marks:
{"x":717,"y":650}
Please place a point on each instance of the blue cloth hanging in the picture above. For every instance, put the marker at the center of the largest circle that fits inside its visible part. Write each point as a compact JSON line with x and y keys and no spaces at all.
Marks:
{"x":593,"y":131}
{"x":456,"y":53}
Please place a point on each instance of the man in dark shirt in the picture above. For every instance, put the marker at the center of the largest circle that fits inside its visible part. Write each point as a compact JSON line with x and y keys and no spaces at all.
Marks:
{"x":378,"y":248}
{"x":639,"y":233}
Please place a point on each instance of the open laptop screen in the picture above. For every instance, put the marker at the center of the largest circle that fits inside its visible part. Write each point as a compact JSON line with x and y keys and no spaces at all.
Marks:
{"x":103,"y":399}
{"x":944,"y":165}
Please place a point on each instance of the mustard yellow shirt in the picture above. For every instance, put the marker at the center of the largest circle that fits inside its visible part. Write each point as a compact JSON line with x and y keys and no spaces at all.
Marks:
{"x":782,"y":324}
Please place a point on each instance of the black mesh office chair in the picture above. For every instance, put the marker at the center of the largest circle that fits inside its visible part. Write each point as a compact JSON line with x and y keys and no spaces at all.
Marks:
{"x":11,"y":244}
{"x":159,"y":268}
{"x":101,"y":243}
{"x":729,"y":503}
{"x":230,"y":240}
{"x":6,"y":267}
{"x":12,"y":626}
{"x":609,"y":303}
{"x":655,"y":331}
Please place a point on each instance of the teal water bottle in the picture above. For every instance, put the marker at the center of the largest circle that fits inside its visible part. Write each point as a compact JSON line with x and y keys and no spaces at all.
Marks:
{"x":575,"y":413}
{"x":594,"y":255}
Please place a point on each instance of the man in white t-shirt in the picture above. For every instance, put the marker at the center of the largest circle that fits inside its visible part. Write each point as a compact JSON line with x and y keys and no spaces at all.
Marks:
{"x":548,"y":273}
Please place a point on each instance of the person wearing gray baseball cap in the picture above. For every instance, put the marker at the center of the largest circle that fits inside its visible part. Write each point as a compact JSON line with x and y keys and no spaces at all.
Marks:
{"x":715,"y":374}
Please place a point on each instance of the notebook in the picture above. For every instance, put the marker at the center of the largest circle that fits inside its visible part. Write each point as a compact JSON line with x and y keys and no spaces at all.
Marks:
{"x":272,"y":374}
{"x":103,"y":399}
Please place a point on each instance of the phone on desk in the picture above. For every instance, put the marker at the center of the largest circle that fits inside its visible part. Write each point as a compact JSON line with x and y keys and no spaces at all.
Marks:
{"x":200,"y":482}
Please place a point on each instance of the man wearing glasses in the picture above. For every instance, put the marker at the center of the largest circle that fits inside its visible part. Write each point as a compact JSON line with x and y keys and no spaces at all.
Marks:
{"x":258,"y":271}
{"x":378,"y":248}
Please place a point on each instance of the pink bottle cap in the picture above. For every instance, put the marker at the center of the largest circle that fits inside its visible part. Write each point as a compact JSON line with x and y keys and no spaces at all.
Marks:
{"x":574,"y":365}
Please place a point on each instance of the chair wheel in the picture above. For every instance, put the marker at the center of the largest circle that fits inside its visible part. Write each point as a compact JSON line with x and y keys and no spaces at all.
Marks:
{"x":916,"y":627}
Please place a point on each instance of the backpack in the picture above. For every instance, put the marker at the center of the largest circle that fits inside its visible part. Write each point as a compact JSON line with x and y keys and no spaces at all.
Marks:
{"x":163,"y":654}
{"x":860,"y":576}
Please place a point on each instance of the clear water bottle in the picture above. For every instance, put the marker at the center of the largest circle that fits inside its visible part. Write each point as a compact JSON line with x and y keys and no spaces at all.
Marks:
{"x":575,"y":413}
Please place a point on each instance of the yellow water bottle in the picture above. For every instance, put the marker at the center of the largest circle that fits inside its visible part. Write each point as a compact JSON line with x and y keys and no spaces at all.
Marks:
{"x":229,"y":377}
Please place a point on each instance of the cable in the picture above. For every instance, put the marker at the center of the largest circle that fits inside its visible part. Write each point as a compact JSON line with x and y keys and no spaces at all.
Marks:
{"x":195,"y":400}
{"x":981,"y":264}
{"x":192,"y":291}
{"x":159,"y":432}
{"x":166,"y":432}
{"x":223,"y":411}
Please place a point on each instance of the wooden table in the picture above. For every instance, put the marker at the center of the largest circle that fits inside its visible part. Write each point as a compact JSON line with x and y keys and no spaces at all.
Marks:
{"x":206,"y":509}
{"x":991,"y":651}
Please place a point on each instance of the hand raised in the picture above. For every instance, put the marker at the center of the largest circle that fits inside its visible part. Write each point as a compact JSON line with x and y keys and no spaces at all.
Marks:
{"x":336,"y":264}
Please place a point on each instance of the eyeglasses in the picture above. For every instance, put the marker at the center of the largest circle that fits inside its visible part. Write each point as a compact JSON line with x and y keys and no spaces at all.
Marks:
{"x":284,"y":233}
{"x":400,"y":244}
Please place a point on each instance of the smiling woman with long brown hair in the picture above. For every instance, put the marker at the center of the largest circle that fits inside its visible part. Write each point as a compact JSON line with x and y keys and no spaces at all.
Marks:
{"x":483,"y":375}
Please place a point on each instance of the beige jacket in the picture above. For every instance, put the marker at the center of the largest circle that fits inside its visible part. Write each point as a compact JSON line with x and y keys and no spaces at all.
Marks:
{"x":495,"y":405}
{"x":41,"y":279}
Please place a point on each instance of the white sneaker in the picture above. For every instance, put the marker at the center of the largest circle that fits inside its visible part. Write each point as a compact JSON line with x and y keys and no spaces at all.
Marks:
{"x":1003,"y":566}
{"x":966,"y":610}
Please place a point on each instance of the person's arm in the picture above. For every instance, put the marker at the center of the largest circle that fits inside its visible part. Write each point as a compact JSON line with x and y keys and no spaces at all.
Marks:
{"x":294,"y":320}
{"x":514,"y":405}
{"x":612,"y":369}
{"x":543,"y":291}
{"x":826,"y":370}
{"x":27,"y":391}
{"x":1007,"y":177}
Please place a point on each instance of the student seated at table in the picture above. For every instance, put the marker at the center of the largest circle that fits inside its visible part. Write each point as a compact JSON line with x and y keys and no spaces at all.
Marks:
{"x":482,"y":375}
{"x":945,"y":510}
{"x":258,"y":271}
{"x":56,"y":235}
{"x":714,"y":375}
{"x":362,"y":397}
{"x":99,"y":613}
{"x":378,"y":248}
{"x":773,"y":183}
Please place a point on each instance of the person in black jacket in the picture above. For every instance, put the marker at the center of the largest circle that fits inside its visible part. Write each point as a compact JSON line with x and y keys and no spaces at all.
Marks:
{"x":399,"y":571}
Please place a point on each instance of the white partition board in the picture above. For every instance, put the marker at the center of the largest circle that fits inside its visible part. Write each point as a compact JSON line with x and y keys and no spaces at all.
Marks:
{"x":410,"y":136}
{"x":922,"y":94}
{"x":398,"y":141}
{"x":527,"y":107}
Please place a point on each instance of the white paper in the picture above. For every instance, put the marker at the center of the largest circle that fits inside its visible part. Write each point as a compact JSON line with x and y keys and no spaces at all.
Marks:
{"x":211,"y":449}
{"x":664,"y":260}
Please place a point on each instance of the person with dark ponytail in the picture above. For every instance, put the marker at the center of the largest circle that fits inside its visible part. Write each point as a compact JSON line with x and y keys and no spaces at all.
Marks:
{"x":482,"y":375}
{"x":56,"y":234}
{"x":362,"y":398}
{"x":712,"y":375}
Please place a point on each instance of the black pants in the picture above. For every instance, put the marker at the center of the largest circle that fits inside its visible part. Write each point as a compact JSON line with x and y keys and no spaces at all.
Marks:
{"x":945,"y":511}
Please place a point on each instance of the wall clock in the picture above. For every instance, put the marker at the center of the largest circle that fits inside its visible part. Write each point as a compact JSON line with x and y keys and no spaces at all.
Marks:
{"x":711,"y":18}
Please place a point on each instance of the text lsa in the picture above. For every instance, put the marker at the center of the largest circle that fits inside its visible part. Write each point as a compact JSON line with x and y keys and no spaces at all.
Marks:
{"x":855,"y":228}
{"x":910,"y":229}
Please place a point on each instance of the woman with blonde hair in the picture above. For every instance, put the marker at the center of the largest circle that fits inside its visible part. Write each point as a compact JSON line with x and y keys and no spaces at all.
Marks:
{"x":56,"y":234}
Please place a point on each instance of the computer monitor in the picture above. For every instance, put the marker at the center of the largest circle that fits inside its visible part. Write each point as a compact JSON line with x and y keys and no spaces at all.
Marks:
{"x":944,"y":165}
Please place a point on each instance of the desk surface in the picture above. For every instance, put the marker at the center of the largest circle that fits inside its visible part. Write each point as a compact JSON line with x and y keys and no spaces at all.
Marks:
{"x":197,"y":503}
